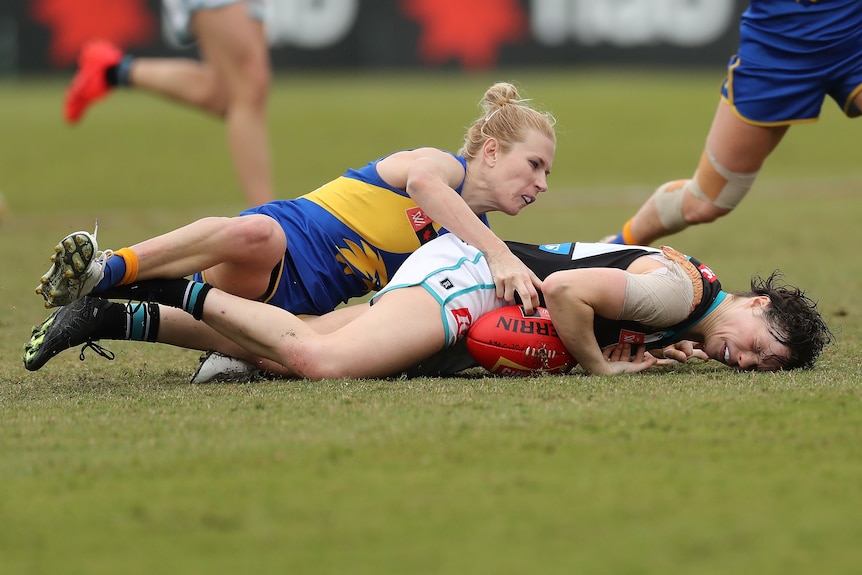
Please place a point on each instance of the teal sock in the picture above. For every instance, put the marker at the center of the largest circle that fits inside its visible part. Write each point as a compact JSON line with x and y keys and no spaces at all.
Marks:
{"x":195,"y":296}
{"x":128,"y":321}
{"x":142,"y":321}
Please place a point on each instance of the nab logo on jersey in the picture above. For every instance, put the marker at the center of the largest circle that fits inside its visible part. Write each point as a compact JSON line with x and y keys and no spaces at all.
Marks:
{"x":446,"y":283}
{"x":422,"y":225}
{"x":707,"y":273}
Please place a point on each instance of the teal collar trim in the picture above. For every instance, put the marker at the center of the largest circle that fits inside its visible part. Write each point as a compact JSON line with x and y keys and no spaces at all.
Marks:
{"x":718,"y":299}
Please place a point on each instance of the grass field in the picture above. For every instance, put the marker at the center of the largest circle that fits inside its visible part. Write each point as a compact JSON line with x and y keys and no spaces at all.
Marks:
{"x":124,"y":467}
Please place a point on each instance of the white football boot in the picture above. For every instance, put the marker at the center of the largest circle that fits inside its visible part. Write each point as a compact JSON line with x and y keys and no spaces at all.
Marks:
{"x":77,"y":267}
{"x":216,"y":367}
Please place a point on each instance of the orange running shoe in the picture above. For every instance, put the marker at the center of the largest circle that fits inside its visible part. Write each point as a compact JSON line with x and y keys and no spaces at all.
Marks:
{"x":89,"y":83}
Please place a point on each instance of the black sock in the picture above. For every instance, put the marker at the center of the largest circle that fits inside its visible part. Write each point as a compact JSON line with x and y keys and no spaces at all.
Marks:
{"x":118,"y":75}
{"x":182,"y":293}
{"x":111,"y":75}
{"x":111,"y":323}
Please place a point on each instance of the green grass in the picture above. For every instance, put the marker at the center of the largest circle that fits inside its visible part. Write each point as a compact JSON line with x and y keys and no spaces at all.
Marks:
{"x":124,"y":467}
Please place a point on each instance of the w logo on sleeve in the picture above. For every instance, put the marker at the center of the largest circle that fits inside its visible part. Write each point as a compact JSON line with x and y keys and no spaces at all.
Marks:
{"x":422,"y":225}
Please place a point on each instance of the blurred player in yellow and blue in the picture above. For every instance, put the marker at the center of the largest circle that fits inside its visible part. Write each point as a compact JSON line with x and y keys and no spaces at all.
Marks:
{"x":792,"y":55}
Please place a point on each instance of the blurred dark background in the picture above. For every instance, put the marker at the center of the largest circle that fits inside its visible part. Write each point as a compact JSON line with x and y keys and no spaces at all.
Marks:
{"x":39,"y":37}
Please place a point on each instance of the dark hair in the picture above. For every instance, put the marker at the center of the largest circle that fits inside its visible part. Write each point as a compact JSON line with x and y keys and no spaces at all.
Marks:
{"x":793,"y":320}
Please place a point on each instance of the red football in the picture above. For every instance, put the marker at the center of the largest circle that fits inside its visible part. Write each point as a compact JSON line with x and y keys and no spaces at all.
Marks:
{"x":509,"y":342}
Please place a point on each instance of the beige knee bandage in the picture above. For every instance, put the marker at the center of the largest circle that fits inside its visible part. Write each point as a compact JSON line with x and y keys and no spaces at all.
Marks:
{"x":712,"y":183}
{"x":668,"y":204}
{"x":719,"y":186}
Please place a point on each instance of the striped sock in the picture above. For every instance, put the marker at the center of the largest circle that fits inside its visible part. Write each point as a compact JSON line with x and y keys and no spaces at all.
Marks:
{"x":193,"y":300}
{"x":128,"y":321}
{"x":142,"y":321}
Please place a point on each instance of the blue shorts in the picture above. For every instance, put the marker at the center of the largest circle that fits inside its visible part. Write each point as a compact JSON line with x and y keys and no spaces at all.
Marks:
{"x":312,"y":278}
{"x":791,"y":56}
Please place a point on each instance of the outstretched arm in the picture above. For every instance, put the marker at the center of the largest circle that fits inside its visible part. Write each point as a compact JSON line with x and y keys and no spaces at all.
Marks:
{"x":430,"y":177}
{"x":574,"y":298}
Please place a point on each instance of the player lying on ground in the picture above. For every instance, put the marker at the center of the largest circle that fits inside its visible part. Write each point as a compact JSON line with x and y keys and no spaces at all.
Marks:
{"x":600,"y":297}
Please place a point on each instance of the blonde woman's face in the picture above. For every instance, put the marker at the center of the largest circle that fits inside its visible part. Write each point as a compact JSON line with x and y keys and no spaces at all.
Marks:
{"x":521,"y":174}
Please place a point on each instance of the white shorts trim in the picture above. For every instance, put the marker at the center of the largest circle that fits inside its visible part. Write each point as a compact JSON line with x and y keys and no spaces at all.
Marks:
{"x":456,"y":275}
{"x":177,"y":17}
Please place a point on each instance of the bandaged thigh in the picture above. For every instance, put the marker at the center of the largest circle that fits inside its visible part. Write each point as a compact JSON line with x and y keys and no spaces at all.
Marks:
{"x":659,"y":299}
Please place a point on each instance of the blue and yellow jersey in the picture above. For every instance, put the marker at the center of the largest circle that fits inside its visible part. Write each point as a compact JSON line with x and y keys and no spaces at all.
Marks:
{"x":345,"y":239}
{"x":792,"y":54}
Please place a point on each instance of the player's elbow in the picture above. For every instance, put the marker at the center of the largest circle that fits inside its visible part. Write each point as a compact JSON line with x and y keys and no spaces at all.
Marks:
{"x":419,"y":179}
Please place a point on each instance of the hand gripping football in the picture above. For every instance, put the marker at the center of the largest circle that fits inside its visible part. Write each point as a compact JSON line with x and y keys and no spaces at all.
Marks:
{"x":508,"y":342}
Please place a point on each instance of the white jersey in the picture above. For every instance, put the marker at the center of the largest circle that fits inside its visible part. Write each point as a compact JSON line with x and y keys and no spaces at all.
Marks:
{"x":458,"y":277}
